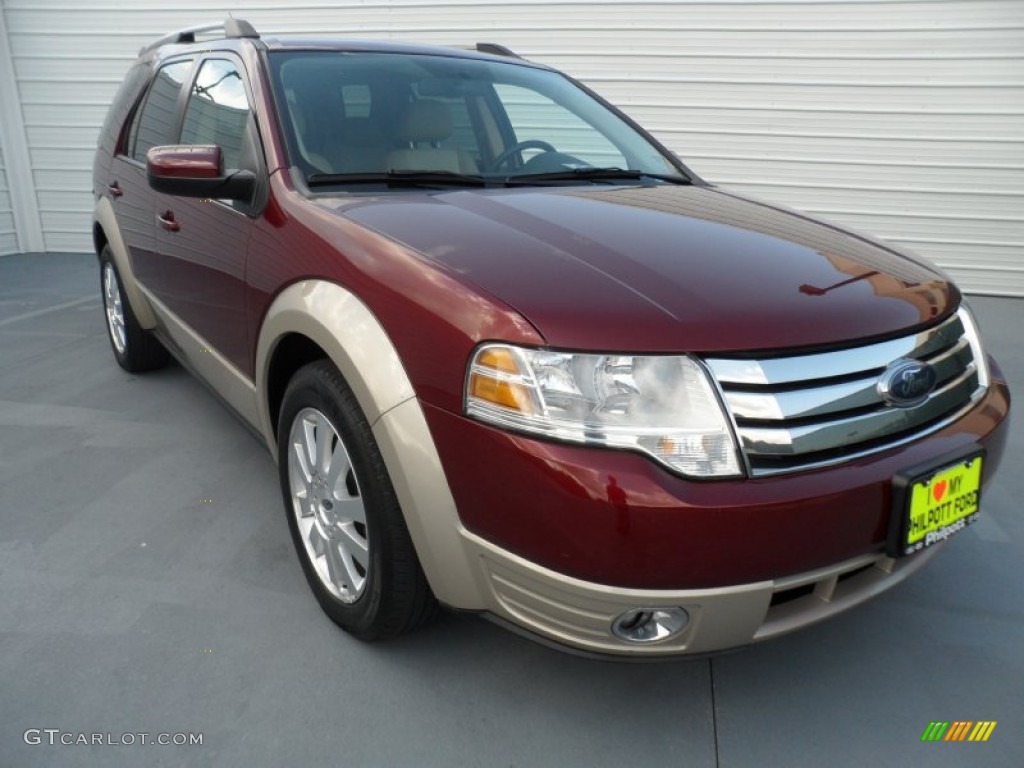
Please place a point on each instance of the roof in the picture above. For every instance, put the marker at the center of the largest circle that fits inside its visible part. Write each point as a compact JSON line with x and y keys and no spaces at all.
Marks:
{"x":238,"y":29}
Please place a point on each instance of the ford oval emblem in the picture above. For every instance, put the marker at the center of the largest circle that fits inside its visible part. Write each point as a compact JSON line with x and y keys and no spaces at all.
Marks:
{"x":906,"y":383}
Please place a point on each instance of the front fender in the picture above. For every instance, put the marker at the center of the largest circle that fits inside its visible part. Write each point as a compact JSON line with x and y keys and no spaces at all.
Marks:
{"x":345,"y":328}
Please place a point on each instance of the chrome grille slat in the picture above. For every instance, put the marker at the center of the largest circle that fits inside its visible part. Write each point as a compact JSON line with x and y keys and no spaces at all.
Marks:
{"x":803,"y":403}
{"x":822,"y":400}
{"x":845,"y":362}
{"x":858,"y":429}
{"x":794,"y":412}
{"x":951,"y":360}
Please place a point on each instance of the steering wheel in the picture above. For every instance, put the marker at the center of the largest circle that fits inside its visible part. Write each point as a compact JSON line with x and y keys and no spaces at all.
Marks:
{"x":507,"y":155}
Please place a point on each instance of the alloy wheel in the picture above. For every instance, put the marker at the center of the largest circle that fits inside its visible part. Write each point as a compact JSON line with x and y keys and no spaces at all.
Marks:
{"x":114,"y":308}
{"x":328,"y":505}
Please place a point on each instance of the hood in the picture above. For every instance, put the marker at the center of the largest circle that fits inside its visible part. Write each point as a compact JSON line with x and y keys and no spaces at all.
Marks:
{"x":664,"y":268}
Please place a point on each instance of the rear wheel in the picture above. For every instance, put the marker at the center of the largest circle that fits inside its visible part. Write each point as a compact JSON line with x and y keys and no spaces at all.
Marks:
{"x":343,"y":514}
{"x":135,"y":348}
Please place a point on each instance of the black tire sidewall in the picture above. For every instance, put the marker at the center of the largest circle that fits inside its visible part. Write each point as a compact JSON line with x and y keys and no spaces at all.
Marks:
{"x":319,"y":386}
{"x":123,"y":358}
{"x":142,"y":352}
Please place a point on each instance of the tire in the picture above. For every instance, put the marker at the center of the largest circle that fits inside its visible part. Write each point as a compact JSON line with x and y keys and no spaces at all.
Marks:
{"x":135,"y":348}
{"x":345,"y":520}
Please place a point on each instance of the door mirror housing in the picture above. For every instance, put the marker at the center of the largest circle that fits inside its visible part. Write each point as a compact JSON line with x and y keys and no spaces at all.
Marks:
{"x":197,"y":171}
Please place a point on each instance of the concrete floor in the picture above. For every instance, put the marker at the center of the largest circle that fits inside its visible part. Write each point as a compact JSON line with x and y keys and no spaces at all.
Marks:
{"x":128,"y":604}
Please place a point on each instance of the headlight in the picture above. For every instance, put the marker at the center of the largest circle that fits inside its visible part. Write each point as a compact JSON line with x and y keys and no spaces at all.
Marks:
{"x":659,"y":405}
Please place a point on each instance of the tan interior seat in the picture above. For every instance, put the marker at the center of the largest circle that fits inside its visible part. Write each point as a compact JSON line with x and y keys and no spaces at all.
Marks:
{"x":428,"y":122}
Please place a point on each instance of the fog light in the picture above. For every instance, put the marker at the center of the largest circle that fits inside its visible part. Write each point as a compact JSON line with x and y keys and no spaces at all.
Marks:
{"x":648,"y":625}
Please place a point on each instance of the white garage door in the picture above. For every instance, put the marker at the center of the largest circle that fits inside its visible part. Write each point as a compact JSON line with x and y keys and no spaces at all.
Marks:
{"x":901,"y":118}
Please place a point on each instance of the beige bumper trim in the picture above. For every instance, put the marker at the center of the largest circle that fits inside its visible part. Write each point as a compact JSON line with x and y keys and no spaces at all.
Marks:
{"x":580,"y":614}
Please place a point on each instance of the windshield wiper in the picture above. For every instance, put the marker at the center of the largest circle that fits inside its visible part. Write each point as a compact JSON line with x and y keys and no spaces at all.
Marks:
{"x":595,"y":174}
{"x":399,"y":178}
{"x":413,"y":178}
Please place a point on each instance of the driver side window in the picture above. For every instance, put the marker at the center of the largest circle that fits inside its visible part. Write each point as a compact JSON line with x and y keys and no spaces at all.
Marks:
{"x":218,"y":113}
{"x":534,"y":116}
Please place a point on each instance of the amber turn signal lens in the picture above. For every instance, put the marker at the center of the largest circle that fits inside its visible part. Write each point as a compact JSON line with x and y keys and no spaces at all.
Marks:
{"x":498,"y":358}
{"x":499,"y":392}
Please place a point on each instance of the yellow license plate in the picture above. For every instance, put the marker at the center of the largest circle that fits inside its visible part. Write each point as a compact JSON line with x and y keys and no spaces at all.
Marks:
{"x":942,"y":504}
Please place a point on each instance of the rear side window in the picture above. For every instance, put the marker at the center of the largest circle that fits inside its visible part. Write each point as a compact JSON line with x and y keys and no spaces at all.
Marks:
{"x":156,"y":122}
{"x":133,"y":84}
{"x":218,"y":110}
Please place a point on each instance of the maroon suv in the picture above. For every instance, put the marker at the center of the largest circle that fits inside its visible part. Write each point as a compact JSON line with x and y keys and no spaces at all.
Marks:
{"x":512,"y":356}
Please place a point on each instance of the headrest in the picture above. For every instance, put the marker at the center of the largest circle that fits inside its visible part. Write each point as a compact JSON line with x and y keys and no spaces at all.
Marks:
{"x":425,"y":120}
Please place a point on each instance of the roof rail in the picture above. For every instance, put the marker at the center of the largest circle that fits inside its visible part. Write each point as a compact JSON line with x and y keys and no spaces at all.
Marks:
{"x":497,"y":50}
{"x":237,"y":28}
{"x":233,"y":28}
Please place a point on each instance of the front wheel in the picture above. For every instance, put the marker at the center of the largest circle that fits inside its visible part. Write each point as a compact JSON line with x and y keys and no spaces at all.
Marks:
{"x":344,"y":517}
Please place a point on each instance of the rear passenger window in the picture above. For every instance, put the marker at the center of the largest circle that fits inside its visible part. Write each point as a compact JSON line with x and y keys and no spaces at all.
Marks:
{"x":218,"y":110}
{"x":156,"y":122}
{"x":134,"y":83}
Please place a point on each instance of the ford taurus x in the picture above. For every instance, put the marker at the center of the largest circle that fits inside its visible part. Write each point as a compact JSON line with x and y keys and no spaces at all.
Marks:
{"x":511,"y":356}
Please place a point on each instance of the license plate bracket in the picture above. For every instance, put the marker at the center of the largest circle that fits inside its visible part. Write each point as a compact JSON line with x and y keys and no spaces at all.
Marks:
{"x":933,"y":501}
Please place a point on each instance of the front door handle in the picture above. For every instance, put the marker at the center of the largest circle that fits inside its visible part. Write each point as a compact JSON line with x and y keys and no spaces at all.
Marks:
{"x":166,"y":221}
{"x":114,"y":189}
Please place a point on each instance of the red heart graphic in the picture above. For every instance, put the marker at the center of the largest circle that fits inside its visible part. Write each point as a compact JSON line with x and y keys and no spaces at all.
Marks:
{"x":939,"y":490}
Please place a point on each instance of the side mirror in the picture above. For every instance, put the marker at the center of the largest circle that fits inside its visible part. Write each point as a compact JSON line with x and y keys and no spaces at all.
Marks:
{"x":196,"y":171}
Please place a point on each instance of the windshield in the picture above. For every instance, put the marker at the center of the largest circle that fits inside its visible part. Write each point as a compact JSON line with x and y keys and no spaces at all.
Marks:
{"x":357,"y":118}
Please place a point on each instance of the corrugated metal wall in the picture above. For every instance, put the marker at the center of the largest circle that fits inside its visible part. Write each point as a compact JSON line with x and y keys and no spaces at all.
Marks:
{"x":903,"y":118}
{"x":8,"y":237}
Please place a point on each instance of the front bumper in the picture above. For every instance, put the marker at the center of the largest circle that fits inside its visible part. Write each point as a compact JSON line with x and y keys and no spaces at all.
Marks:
{"x":579,"y":615}
{"x":560,"y":540}
{"x":618,"y":519}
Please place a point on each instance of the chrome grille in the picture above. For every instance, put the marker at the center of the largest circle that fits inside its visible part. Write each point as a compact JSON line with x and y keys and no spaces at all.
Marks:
{"x":800,"y":411}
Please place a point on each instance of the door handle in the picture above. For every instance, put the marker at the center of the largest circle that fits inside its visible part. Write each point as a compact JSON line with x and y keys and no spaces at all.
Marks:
{"x":166,"y":221}
{"x":114,"y":189}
